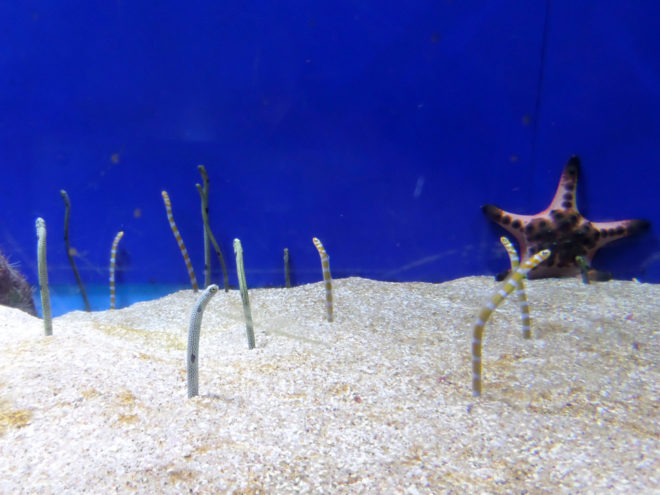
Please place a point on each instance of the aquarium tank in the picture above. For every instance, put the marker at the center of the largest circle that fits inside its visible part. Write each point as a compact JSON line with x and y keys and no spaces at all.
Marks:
{"x":381,"y":128}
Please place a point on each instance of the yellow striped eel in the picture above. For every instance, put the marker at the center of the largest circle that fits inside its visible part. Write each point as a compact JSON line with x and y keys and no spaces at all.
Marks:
{"x":113,"y":259}
{"x":520,"y":289}
{"x":179,"y":240}
{"x":507,"y":288}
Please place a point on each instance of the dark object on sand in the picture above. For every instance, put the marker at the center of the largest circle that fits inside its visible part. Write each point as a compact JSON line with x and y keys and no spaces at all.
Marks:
{"x":14,"y":289}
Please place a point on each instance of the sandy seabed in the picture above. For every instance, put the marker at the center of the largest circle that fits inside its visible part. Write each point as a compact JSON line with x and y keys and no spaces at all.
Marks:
{"x":379,"y":401}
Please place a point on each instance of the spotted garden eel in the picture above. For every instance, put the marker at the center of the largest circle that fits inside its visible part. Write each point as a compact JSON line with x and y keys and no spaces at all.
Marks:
{"x":40,"y":224}
{"x":193,"y":339}
{"x":240,"y":270}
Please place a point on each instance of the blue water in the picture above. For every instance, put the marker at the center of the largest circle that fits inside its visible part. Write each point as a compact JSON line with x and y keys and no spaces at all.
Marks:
{"x":65,"y":298}
{"x":381,"y":128}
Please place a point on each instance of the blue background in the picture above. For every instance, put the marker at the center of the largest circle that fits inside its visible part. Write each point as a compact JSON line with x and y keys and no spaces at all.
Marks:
{"x":380,"y":128}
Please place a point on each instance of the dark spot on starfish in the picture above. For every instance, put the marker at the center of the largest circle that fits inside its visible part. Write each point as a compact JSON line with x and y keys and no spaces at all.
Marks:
{"x":506,"y":220}
{"x":589,"y":239}
{"x":589,"y":243}
{"x":568,"y":197}
{"x":635,"y":226}
{"x":566,"y":204}
{"x":579,"y":235}
{"x":543,"y":224}
{"x":541,"y":236}
{"x":564,"y":225}
{"x":492,"y":212}
{"x":529,"y":228}
{"x":556,"y":214}
{"x":516,"y":224}
{"x":573,"y":166}
{"x":575,"y":250}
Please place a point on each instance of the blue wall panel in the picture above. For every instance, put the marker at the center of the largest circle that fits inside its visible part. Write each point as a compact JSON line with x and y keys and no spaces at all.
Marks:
{"x":380,"y":128}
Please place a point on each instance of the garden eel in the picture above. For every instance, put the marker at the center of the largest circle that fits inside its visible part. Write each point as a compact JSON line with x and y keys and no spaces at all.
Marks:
{"x":113,"y":259}
{"x":179,"y":240}
{"x":40,"y":224}
{"x":584,"y":268}
{"x":193,"y":339}
{"x":69,"y":251}
{"x":240,"y":269}
{"x":520,"y":289}
{"x":208,"y":234}
{"x":327,"y":279}
{"x":204,"y":196}
{"x":287,"y":273}
{"x":497,"y":298}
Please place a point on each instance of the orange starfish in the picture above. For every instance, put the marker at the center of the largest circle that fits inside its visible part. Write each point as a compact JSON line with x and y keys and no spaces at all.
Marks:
{"x":562,"y":229}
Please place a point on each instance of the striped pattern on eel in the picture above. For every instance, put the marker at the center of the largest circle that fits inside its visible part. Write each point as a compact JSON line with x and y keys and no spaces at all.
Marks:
{"x":497,"y":299}
{"x":113,"y":259}
{"x":520,"y":289}
{"x":179,"y":240}
{"x":327,"y":279}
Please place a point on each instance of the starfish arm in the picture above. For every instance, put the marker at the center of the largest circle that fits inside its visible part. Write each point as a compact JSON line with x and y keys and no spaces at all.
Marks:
{"x":565,"y":195}
{"x":606,"y":232}
{"x":518,"y":225}
{"x":511,"y":222}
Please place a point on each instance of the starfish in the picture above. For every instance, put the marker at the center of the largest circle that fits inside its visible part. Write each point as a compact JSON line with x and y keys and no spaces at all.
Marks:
{"x":562,"y":229}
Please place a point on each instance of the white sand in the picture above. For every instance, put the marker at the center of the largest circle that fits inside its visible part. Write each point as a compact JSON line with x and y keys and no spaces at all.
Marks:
{"x":377,"y":402}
